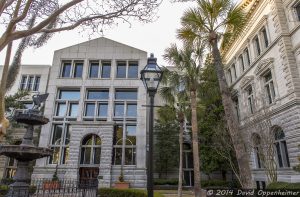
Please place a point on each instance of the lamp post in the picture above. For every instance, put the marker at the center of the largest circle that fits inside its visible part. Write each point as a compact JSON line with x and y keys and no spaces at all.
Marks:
{"x":151,"y":76}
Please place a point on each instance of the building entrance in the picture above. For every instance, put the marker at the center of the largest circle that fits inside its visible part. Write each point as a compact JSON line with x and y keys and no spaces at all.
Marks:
{"x":88,"y":176}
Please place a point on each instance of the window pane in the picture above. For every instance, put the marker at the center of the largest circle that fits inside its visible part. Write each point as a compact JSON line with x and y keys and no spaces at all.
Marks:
{"x":130,"y":156}
{"x":73,"y":109}
{"x":298,"y":11}
{"x":118,"y":134}
{"x":67,"y":139}
{"x":55,"y":156}
{"x":78,"y":69}
{"x":66,"y":71}
{"x":121,"y":70}
{"x":119,"y":109}
{"x":88,"y":140}
{"x":268,"y":94}
{"x":61,"y":109}
{"x":97,"y":155}
{"x":102,"y":110}
{"x":105,"y":70}
{"x":190,"y":163}
{"x":69,"y":94}
{"x":65,"y":155}
{"x":118,"y":156}
{"x":264,"y":32}
{"x":97,"y":94}
{"x":90,"y":109}
{"x":234,"y":71}
{"x":57,"y":134}
{"x":36,"y":83}
{"x":30,"y":83}
{"x":133,"y":70}
{"x":256,"y":40}
{"x":247,"y":56}
{"x":97,"y":140}
{"x":126,"y":94}
{"x":285,"y":150}
{"x":94,"y":70}
{"x":28,"y":105}
{"x":87,"y":155}
{"x":242,"y":63}
{"x":131,"y":110}
{"x":280,"y":163}
{"x":23,"y":83}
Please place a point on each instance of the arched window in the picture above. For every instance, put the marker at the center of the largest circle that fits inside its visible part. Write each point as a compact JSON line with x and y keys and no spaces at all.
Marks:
{"x":281,"y":148}
{"x":90,"y":150}
{"x":257,"y":149}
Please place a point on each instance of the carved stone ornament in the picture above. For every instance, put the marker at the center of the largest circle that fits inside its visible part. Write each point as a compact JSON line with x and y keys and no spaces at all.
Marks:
{"x":246,"y":81}
{"x":263,"y":65}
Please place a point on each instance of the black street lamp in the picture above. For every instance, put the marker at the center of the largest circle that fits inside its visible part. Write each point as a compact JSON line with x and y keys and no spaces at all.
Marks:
{"x":151,"y":76}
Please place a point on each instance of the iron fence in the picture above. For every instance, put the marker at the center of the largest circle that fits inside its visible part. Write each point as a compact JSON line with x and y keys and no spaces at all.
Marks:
{"x":59,"y":188}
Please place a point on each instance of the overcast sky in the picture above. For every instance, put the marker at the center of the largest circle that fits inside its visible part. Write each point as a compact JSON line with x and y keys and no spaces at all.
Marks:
{"x":152,"y":37}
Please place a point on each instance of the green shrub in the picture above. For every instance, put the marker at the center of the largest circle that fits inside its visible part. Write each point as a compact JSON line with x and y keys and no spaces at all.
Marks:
{"x":7,"y":181}
{"x":3,"y":189}
{"x":112,"y":192}
{"x":165,"y":181}
{"x":220,"y":183}
{"x":283,"y":185}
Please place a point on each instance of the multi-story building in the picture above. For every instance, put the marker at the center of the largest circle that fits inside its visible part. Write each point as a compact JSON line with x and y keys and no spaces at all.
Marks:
{"x":96,"y":107}
{"x":262,"y":67}
{"x":32,"y":78}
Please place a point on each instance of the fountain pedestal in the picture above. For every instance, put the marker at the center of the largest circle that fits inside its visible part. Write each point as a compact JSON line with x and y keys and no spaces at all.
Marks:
{"x":25,"y":152}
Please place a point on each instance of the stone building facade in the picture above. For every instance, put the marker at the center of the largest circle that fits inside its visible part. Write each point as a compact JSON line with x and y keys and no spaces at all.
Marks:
{"x":32,"y":78}
{"x":97,"y":115}
{"x":262,"y":68}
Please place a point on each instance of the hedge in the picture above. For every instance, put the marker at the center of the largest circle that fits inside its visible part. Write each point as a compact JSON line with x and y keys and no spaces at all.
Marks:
{"x":284,"y":185}
{"x":112,"y":192}
{"x":165,"y":181}
{"x":220,"y":183}
{"x":4,"y":189}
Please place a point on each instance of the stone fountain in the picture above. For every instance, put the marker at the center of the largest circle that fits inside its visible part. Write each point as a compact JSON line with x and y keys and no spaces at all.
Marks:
{"x":26,"y":151}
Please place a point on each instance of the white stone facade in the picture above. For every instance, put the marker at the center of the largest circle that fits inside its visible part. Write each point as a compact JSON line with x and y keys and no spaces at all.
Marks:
{"x":270,"y":81}
{"x":100,"y":50}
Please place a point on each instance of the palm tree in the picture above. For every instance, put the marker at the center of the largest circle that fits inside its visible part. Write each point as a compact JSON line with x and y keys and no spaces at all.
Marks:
{"x":186,"y":76}
{"x":207,"y":23}
{"x":176,"y":98}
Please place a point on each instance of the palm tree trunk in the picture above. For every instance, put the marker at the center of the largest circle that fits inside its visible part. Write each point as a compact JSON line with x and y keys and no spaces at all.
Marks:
{"x":232,"y":123}
{"x":4,"y":123}
{"x":181,"y":121}
{"x":195,"y":142}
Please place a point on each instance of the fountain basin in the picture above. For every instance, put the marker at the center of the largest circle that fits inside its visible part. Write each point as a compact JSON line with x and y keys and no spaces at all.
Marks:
{"x":24,"y":153}
{"x":31,"y":118}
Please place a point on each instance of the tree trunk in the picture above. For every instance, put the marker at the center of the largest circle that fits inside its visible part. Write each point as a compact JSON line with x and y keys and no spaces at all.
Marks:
{"x":180,"y":176}
{"x":195,"y":140}
{"x":4,"y":123}
{"x":232,"y":123}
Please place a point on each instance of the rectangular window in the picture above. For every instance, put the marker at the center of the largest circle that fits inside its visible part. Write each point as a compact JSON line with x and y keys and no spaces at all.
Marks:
{"x":121,"y":69}
{"x":94,"y":70}
{"x":241,"y":62}
{"x":23,"y":82}
{"x":78,"y":69}
{"x":229,"y":76}
{"x":66,"y":69}
{"x":257,"y":45}
{"x":60,"y":144}
{"x":250,"y":99}
{"x":133,"y":70}
{"x":30,"y":83}
{"x":247,"y":56}
{"x":96,"y":105}
{"x":297,"y":8}
{"x":119,"y":110}
{"x":269,"y":87}
{"x":258,"y":162}
{"x":126,"y":95}
{"x":105,"y":72}
{"x":234,"y":71}
{"x":265,"y":36}
{"x":36,"y":83}
{"x":67,"y":103}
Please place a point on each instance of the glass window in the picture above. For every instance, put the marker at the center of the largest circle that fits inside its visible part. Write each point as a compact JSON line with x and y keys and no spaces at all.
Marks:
{"x":281,"y":148}
{"x":297,"y":7}
{"x":229,"y":76}
{"x":69,"y":94}
{"x":89,"y":109}
{"x":57,"y":134}
{"x":119,"y":109}
{"x":131,"y":110}
{"x":97,"y":94}
{"x":66,"y":70}
{"x":91,"y":150}
{"x":61,"y":109}
{"x":265,"y":36}
{"x":241,"y":61}
{"x":250,"y":99}
{"x":247,"y":56}
{"x":257,"y":45}
{"x":94,"y":70}
{"x":234,"y":71}
{"x":23,"y":82}
{"x":73,"y":109}
{"x":36,"y":83}
{"x":126,"y":94}
{"x":60,"y":144}
{"x":30,"y":83}
{"x":78,"y":69}
{"x":133,"y":70}
{"x":269,"y":87}
{"x":106,"y":67}
{"x":102,"y":109}
{"x":121,"y":69}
